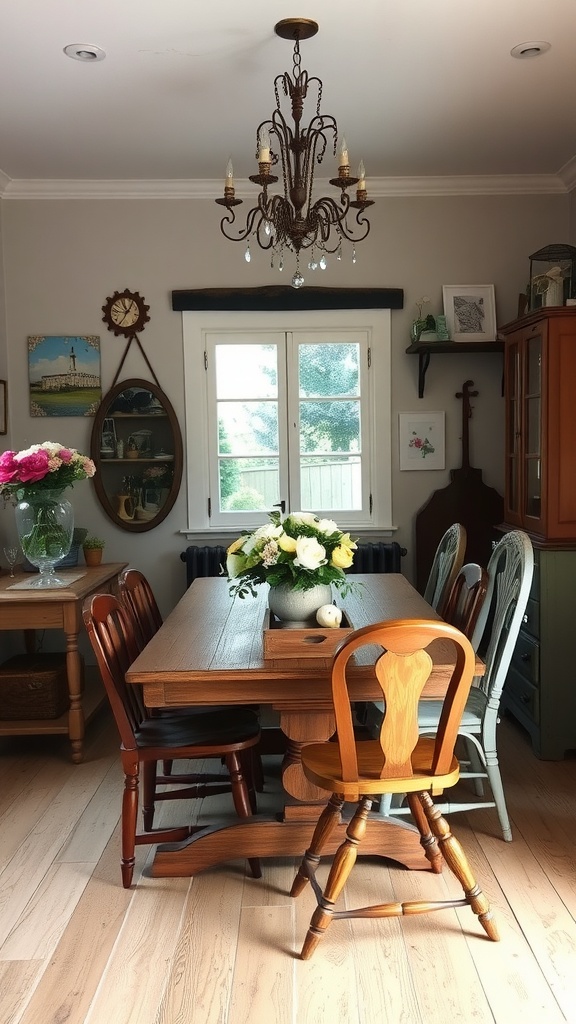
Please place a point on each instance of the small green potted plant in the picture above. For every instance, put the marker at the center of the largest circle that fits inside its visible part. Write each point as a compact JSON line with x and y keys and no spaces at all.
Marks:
{"x":92,"y":548}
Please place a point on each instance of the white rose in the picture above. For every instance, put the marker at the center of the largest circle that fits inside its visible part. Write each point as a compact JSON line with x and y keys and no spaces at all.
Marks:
{"x":309,"y":553}
{"x":327,"y":526}
{"x":304,"y":517}
{"x":262,"y":534}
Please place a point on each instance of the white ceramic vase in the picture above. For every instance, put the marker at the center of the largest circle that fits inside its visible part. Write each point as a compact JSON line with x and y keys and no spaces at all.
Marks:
{"x":298,"y":606}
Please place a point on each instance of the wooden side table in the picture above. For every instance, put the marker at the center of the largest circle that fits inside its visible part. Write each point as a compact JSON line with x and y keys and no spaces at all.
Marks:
{"x":60,"y":608}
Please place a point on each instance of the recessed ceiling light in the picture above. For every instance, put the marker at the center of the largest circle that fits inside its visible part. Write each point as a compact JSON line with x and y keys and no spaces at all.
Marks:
{"x":84,"y":51}
{"x":526,"y":50}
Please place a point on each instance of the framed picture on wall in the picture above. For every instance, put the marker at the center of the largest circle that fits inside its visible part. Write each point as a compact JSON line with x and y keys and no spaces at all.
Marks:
{"x":3,"y":408}
{"x":470,"y":311}
{"x":421,"y":436}
{"x":64,"y":375}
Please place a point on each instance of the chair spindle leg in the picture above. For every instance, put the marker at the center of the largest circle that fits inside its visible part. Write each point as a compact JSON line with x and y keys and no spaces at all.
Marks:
{"x":342,"y":865}
{"x":458,"y":863}
{"x":325,"y":826}
{"x":427,"y":840}
{"x":241,"y":798}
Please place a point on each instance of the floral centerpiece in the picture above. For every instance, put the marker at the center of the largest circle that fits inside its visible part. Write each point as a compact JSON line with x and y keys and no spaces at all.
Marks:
{"x":42,"y":467}
{"x":302,"y":552}
{"x":36,"y":478}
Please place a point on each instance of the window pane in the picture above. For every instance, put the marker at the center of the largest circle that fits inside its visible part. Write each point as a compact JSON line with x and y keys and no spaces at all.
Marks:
{"x":330,"y":369}
{"x":331,"y":483}
{"x":330,"y":426}
{"x":248,"y":484}
{"x":246,"y":371}
{"x":247,"y":428}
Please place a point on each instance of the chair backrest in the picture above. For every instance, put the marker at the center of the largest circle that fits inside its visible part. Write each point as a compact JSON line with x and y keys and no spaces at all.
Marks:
{"x":510,"y":571}
{"x":402,"y":670}
{"x":137,"y":596}
{"x":466,"y":598}
{"x":447,"y":563}
{"x":111,"y":633}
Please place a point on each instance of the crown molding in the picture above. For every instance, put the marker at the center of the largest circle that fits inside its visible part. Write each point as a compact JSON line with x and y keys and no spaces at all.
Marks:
{"x":567,"y":174}
{"x":470,"y":185}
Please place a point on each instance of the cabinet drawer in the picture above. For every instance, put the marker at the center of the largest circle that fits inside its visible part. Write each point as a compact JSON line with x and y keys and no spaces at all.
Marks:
{"x":519,"y":691}
{"x":531,"y":620}
{"x":526,"y":658}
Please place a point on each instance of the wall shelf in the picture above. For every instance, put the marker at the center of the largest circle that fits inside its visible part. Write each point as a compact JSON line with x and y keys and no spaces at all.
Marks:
{"x":424,"y":349}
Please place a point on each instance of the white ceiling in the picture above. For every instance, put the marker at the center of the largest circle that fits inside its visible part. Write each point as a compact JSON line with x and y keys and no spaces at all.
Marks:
{"x":420,"y":89}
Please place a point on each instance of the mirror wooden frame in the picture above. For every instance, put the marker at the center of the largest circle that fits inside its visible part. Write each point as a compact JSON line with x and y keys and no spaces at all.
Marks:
{"x":106,"y":499}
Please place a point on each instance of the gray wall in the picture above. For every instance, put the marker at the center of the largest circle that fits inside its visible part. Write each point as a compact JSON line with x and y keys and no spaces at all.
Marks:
{"x":62,"y":258}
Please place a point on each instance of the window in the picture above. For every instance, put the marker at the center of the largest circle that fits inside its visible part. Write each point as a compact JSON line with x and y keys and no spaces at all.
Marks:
{"x":289,"y":410}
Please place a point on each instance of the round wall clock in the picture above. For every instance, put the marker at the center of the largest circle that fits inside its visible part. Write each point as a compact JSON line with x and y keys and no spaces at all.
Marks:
{"x":125,"y":313}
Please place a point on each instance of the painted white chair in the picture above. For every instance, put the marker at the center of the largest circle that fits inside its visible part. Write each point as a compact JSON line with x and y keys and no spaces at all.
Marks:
{"x":510,"y":571}
{"x":446,"y":565}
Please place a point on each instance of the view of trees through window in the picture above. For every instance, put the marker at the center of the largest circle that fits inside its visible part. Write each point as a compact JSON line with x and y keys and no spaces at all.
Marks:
{"x":323,"y":392}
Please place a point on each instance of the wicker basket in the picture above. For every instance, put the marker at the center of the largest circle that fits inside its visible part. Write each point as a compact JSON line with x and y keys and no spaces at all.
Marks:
{"x":33,"y":686}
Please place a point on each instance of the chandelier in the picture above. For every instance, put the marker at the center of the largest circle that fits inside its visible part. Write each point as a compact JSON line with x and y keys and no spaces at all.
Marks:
{"x":294,"y":220}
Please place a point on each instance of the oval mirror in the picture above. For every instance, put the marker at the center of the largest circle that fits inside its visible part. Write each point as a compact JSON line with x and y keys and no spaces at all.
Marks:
{"x":137,"y":448}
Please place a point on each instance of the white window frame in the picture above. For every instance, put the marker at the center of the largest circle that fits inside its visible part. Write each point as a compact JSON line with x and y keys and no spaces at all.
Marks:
{"x":376,"y":323}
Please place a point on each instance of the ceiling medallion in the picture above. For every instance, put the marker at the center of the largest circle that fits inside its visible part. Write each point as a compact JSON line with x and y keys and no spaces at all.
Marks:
{"x":294,"y":220}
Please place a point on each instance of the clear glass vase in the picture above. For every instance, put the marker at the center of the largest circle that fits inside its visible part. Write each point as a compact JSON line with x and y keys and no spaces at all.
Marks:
{"x":45,"y":524}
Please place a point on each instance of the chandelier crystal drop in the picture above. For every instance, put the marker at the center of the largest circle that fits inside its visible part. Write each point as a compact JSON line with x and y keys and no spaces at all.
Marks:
{"x":295,"y":220}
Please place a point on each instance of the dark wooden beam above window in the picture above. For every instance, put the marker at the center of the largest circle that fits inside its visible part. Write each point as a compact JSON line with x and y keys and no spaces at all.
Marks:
{"x":284,"y":297}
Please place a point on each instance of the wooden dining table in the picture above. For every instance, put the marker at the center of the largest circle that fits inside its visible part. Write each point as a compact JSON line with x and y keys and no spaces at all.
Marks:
{"x":210,"y":651}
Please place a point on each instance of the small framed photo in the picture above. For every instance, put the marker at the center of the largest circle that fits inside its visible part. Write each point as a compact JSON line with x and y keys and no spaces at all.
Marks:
{"x":470,"y":311}
{"x":3,"y":408}
{"x":422,"y":443}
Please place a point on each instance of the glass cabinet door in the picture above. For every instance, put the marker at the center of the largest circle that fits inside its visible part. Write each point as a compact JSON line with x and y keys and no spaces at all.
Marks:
{"x":137,"y":448}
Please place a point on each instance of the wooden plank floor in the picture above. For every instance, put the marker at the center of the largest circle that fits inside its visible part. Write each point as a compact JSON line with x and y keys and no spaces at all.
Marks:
{"x":76,"y":947}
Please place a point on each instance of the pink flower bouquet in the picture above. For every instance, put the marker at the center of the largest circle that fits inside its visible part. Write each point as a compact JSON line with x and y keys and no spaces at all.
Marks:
{"x":42,"y":467}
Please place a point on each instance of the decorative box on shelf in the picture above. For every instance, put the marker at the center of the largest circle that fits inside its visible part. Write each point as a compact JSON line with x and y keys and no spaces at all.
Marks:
{"x":318,"y":643}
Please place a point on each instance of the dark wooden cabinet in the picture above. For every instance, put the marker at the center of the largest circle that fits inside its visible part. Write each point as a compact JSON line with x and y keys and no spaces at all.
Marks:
{"x":540,"y":389}
{"x":540,"y":498}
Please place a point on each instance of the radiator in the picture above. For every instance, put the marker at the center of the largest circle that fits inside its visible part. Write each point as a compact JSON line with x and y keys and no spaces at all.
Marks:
{"x":203,"y":561}
{"x":380,"y":557}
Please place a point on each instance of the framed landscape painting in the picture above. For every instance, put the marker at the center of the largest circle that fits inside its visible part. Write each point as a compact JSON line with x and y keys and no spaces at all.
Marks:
{"x":470,"y":311}
{"x":421,"y":440}
{"x":64,"y":375}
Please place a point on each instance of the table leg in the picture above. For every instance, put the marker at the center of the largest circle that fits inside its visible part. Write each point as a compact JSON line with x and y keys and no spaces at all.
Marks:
{"x":74,"y":673}
{"x":290,"y":834}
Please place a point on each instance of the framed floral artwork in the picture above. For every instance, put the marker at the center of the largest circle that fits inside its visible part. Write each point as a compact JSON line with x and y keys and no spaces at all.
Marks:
{"x":470,"y":311}
{"x":421,"y":436}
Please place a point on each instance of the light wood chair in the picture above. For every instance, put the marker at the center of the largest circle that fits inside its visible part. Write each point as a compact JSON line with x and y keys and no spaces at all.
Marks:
{"x":399,"y":761}
{"x":447,"y":563}
{"x":146,"y":740}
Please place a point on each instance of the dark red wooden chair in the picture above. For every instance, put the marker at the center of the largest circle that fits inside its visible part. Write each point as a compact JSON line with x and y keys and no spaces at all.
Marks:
{"x":225,"y":733}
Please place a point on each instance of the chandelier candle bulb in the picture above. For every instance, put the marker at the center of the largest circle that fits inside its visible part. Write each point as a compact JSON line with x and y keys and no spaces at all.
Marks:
{"x":264,"y":147}
{"x":361,"y":177}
